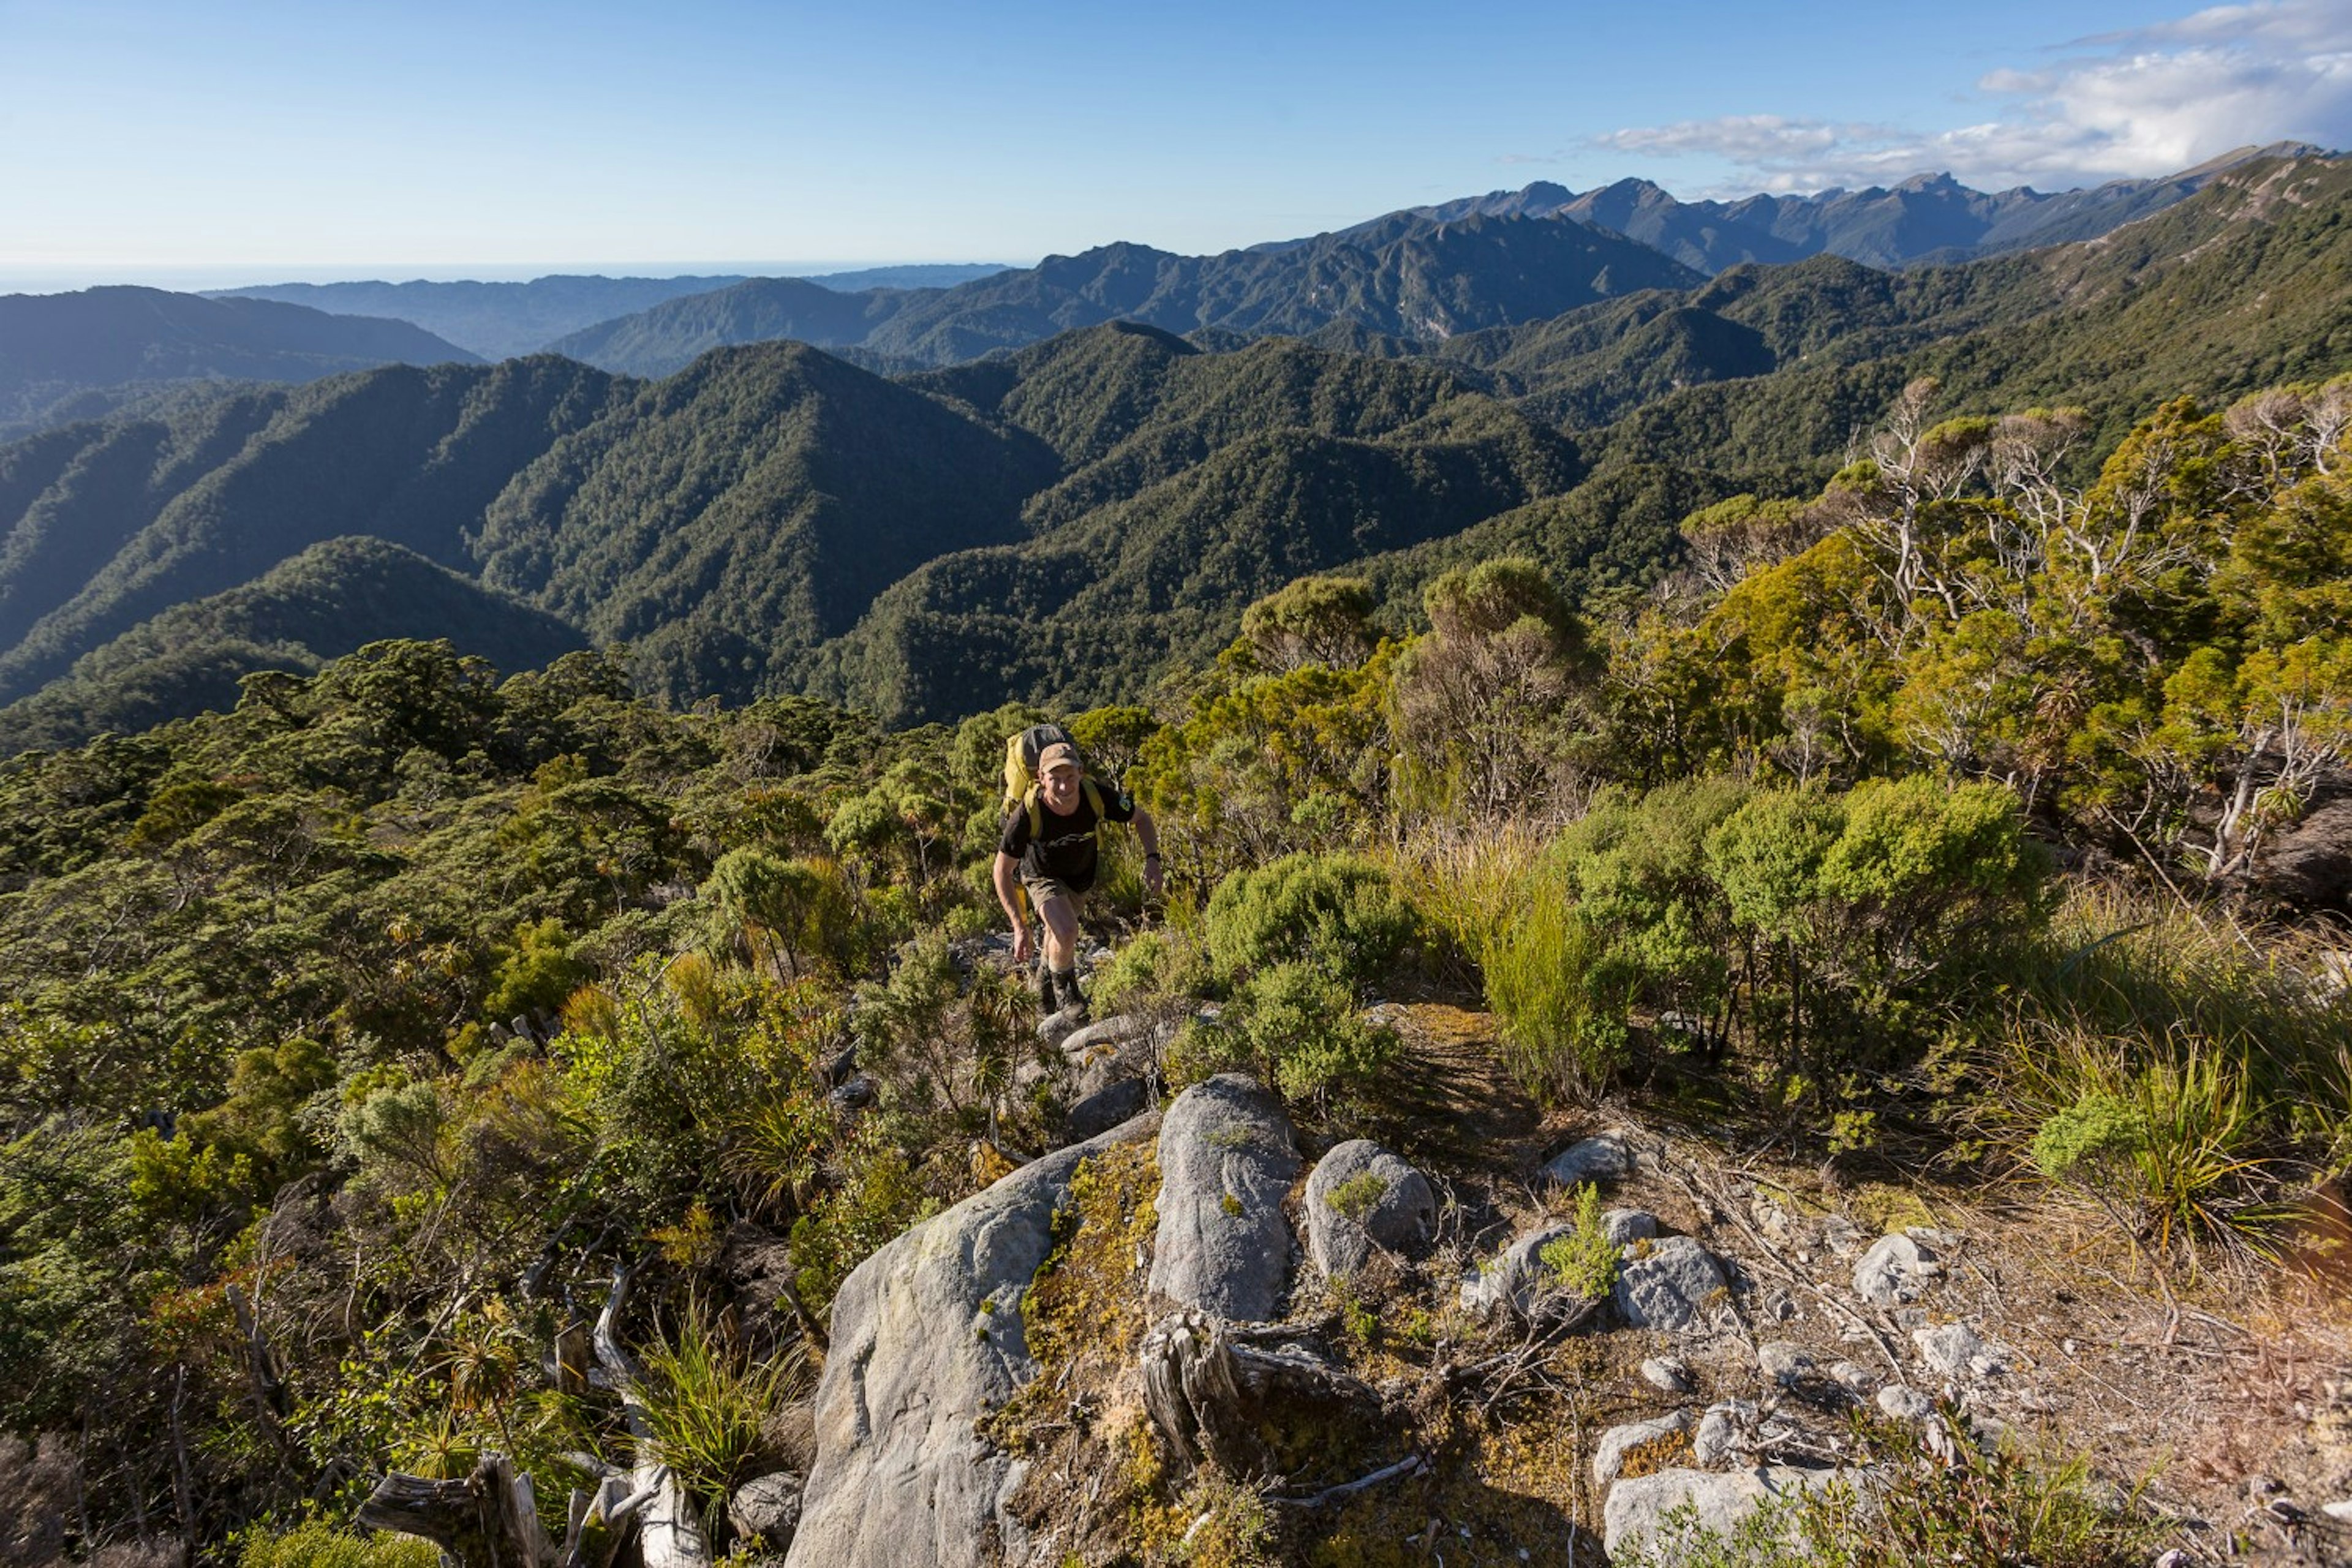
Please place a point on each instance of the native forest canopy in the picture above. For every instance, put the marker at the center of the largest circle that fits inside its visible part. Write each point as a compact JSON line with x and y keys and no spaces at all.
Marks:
{"x":1751,"y":966}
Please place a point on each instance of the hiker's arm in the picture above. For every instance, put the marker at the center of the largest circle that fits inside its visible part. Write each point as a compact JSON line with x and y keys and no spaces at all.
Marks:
{"x":1007,"y":875}
{"x":1147,"y":833}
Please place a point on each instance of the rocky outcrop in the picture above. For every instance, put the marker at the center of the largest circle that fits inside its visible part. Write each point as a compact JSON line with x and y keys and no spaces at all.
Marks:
{"x":1226,"y":1160}
{"x":1361,"y":1198}
{"x":927,"y":1337}
{"x":1651,"y":1440}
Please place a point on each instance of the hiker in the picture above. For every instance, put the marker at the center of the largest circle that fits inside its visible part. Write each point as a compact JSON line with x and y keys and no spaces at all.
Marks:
{"x":1048,"y":850}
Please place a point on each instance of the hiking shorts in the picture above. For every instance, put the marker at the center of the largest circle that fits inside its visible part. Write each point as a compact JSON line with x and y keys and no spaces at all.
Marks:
{"x":1042,"y":887}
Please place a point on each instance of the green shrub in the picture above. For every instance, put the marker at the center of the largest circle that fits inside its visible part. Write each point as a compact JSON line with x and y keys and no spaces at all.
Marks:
{"x":1153,"y":964}
{"x":1357,"y":1195}
{"x":1341,"y":912}
{"x":1304,"y":1029}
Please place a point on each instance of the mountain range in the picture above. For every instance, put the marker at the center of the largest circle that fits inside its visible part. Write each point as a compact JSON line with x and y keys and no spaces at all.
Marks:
{"x":1927,"y":218}
{"x":1060,"y":520}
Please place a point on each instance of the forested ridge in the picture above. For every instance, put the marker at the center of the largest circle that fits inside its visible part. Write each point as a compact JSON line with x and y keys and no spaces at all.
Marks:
{"x":1961,"y":816}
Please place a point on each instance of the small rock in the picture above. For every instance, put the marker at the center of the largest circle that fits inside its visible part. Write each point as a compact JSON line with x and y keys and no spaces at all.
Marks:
{"x":765,"y":1512}
{"x":1857,"y":1379}
{"x":2339,"y":1511}
{"x":1608,"y":1457}
{"x":1841,"y":1235}
{"x":1672,"y":1284}
{"x":1900,"y":1403}
{"x":1634,"y":1516}
{"x":1667,"y":1374}
{"x":1957,"y":1349}
{"x":1896,"y":1271}
{"x":1389,"y":1206}
{"x":1723,"y":1430}
{"x":1602,"y":1159}
{"x":1626,"y":1226}
{"x":1783,"y":1362}
{"x":854,"y":1095}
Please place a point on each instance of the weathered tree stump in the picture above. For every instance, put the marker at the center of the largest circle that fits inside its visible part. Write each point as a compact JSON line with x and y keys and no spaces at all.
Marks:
{"x":489,"y":1520}
{"x":1207,"y":1390}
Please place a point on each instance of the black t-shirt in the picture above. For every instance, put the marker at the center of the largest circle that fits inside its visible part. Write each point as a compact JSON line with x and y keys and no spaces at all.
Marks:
{"x":1065,"y":849}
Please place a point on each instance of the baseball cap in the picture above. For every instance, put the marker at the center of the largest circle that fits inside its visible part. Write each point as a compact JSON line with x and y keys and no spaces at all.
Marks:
{"x":1057,"y":755}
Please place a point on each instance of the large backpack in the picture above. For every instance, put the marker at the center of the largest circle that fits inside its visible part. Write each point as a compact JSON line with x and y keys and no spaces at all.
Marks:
{"x":1021,"y":754}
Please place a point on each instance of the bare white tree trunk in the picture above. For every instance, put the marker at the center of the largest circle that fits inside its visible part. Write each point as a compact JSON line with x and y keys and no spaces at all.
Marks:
{"x":672,"y":1536}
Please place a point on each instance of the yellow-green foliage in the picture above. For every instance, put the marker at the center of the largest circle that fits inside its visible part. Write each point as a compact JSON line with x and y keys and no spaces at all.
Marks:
{"x":1082,"y":1314}
{"x":1586,"y":1260}
{"x":317,"y":1544}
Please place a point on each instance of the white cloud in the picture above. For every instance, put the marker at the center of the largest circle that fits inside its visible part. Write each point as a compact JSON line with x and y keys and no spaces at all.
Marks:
{"x":2115,"y":106}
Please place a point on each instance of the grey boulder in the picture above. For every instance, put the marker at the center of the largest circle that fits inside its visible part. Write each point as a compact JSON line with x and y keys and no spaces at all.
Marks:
{"x":1110,"y":1051}
{"x":928,"y":1338}
{"x":1672,"y":1284}
{"x":1108,"y":1106}
{"x":1226,"y":1160}
{"x":1603,"y":1159}
{"x":766,"y":1510}
{"x":1361,"y":1198}
{"x":1635,"y":1514}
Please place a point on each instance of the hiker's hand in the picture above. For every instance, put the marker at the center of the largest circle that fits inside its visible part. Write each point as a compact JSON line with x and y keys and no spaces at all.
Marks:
{"x":1022,"y":945}
{"x":1152,"y":877}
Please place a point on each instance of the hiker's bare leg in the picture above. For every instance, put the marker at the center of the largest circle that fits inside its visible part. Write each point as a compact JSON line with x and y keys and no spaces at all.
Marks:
{"x":1060,"y":919}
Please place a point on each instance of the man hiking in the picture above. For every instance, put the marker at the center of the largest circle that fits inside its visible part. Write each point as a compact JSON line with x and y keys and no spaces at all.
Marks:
{"x":1048,"y":847}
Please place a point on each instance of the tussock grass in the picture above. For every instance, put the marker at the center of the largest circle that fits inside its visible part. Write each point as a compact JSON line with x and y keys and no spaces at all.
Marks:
{"x":2187,"y":1071}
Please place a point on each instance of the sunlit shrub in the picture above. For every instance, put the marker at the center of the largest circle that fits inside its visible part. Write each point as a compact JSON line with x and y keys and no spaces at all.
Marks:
{"x":1341,"y":912}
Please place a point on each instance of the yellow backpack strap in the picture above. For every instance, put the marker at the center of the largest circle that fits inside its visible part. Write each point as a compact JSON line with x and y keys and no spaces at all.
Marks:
{"x":1036,"y":815}
{"x":1094,"y":795}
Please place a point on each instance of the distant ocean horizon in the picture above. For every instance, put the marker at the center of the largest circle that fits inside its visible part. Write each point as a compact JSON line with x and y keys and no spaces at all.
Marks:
{"x":66,"y":277}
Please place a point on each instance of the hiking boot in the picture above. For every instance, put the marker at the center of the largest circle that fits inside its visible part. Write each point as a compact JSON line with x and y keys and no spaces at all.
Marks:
{"x":1047,"y":1002}
{"x":1073,"y":1000}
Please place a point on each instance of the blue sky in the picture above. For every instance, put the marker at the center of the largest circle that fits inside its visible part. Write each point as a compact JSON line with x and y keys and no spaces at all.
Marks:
{"x":190,"y":142}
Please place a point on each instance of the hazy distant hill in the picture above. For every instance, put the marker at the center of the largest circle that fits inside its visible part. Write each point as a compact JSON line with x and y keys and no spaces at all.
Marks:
{"x":496,"y":321}
{"x":669,"y":336}
{"x":77,"y":355}
{"x":331,"y":599}
{"x":1060,"y":522}
{"x":499,"y":320}
{"x":1926,"y":217}
{"x":1415,"y":279}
